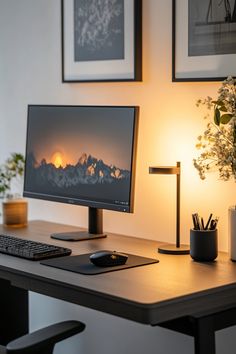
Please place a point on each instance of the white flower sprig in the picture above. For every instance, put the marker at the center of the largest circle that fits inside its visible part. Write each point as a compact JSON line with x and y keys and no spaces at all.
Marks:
{"x":218,"y":142}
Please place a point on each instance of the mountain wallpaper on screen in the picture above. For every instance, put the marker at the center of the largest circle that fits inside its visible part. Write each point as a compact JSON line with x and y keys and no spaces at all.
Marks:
{"x":89,"y":177}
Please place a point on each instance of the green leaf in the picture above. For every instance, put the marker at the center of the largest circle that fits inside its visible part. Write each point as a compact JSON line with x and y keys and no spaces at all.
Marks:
{"x":217,"y":116}
{"x":218,"y":103}
{"x":225,"y":118}
{"x":223,"y":109}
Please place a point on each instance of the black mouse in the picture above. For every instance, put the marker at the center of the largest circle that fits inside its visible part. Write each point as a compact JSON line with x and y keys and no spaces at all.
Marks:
{"x":108,"y":258}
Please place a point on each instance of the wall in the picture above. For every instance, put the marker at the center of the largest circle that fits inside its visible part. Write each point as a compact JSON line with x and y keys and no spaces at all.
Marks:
{"x":30,"y":69}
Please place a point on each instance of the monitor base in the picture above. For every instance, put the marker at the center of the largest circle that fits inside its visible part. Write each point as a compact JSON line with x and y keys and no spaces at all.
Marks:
{"x":172,"y":249}
{"x":76,"y":236}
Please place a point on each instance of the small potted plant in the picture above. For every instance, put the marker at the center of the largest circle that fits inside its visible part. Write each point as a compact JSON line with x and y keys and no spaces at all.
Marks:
{"x":14,"y":207}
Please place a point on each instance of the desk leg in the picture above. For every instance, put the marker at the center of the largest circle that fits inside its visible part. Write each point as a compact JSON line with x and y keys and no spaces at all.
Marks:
{"x":204,"y":335}
{"x":14,"y":313}
{"x":202,"y":328}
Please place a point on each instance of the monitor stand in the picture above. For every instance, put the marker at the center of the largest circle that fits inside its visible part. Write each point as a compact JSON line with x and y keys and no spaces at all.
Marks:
{"x":94,"y":229}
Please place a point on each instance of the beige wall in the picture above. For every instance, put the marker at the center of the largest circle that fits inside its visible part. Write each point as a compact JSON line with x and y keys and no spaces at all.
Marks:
{"x":169,"y":122}
{"x":30,"y":68}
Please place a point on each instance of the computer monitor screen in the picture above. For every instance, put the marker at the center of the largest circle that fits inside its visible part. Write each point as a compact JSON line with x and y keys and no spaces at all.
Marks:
{"x":82,"y":155}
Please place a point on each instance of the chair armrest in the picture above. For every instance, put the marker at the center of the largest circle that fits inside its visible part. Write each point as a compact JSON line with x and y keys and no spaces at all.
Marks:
{"x":45,"y":337}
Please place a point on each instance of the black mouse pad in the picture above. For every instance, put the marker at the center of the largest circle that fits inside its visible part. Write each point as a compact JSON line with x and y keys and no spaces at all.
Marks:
{"x":81,"y":264}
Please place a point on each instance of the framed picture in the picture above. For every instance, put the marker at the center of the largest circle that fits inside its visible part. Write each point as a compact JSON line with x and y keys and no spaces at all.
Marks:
{"x":204,"y":40}
{"x":101,"y":40}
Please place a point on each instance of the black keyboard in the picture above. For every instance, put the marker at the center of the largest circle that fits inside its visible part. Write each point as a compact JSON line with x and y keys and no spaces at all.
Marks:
{"x":32,"y":250}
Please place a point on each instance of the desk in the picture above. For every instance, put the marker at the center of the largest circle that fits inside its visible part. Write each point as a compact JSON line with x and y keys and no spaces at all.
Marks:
{"x":176,"y":293}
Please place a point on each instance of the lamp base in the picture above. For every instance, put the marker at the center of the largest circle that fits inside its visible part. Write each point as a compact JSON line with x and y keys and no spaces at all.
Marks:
{"x":172,"y":249}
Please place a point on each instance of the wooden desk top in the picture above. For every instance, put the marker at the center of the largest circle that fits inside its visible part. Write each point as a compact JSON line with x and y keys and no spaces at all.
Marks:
{"x":172,"y":288}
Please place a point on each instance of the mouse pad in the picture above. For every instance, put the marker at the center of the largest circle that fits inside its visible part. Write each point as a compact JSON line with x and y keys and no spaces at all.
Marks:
{"x":81,"y":264}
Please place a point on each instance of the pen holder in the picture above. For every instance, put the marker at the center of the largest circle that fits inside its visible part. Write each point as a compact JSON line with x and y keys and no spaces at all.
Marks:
{"x":203,"y":245}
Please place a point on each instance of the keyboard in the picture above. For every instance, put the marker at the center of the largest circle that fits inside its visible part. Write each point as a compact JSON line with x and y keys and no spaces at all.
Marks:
{"x":32,"y":250}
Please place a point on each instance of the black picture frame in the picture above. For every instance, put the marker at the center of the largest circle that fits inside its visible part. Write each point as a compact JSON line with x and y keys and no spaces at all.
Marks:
{"x":86,"y":64}
{"x":198,"y":54}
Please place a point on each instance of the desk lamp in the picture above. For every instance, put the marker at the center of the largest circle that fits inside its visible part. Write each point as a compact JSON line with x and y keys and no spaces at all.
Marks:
{"x":172,"y":170}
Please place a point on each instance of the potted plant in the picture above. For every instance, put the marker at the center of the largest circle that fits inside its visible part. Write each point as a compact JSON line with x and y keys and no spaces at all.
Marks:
{"x":14,"y":207}
{"x":217,"y":144}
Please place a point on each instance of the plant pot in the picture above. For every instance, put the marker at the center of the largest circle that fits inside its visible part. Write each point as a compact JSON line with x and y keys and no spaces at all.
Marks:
{"x":15,"y":212}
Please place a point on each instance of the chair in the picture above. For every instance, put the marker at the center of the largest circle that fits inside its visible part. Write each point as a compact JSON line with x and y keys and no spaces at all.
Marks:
{"x":43,"y":340}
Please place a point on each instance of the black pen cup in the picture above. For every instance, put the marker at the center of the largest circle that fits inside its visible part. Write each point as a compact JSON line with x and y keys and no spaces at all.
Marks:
{"x":203,"y":245}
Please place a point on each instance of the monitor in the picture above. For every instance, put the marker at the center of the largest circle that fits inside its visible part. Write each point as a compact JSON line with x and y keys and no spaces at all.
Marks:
{"x":82,"y":155}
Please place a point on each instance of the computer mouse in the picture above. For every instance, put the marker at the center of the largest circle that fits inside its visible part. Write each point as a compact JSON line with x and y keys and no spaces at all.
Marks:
{"x":108,"y":258}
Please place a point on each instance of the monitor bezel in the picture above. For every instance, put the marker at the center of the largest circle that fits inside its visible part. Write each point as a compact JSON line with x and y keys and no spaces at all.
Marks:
{"x":80,"y":201}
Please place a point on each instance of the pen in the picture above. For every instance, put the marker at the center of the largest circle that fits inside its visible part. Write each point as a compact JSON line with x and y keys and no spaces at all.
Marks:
{"x":194,"y":222}
{"x":212,"y":225}
{"x":202,"y":224}
{"x":216,"y":222}
{"x":208,"y":221}
{"x":198,"y":221}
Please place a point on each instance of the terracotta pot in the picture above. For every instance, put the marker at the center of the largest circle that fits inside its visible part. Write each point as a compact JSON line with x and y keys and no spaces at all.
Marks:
{"x":15,"y":212}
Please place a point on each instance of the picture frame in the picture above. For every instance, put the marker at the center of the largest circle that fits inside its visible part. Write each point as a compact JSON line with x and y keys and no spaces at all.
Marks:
{"x":203,"y":40}
{"x":101,"y":42}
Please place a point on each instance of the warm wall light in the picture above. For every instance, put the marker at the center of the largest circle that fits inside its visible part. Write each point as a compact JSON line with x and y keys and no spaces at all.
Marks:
{"x":172,"y":170}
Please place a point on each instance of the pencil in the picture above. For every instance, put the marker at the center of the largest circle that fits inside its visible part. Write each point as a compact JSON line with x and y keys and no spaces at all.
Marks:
{"x":208,"y":222}
{"x":202,"y":223}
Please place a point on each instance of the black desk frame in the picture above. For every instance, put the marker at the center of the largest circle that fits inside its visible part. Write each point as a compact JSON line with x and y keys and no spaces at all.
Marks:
{"x":14,"y":310}
{"x":203,"y":327}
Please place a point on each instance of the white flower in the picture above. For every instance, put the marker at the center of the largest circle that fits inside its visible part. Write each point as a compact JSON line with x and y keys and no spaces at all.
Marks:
{"x":218,"y":142}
